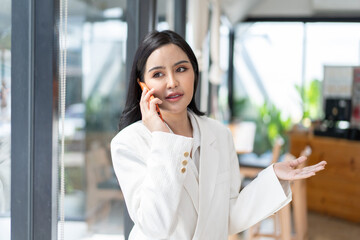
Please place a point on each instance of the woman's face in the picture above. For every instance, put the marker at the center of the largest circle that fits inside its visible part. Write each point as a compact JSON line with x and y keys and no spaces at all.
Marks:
{"x":169,"y":71}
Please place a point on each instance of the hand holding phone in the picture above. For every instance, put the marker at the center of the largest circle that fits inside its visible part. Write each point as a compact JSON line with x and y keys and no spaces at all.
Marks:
{"x":143,"y":85}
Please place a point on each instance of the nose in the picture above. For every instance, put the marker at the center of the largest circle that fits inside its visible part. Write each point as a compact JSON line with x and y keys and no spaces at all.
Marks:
{"x":171,"y":81}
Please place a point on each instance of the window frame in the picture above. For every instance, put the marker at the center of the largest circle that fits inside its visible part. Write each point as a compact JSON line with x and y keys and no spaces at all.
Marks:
{"x":33,"y":167}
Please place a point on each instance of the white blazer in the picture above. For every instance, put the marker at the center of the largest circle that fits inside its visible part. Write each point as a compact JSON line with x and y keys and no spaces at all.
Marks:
{"x":166,"y":201}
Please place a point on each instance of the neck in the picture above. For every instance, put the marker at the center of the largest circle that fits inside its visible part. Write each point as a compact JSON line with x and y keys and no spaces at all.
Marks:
{"x":179,"y":123}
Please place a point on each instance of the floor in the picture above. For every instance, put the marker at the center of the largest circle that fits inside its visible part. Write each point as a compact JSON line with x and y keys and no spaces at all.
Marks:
{"x":329,"y":228}
{"x":320,"y":228}
{"x":108,"y":228}
{"x":72,"y":231}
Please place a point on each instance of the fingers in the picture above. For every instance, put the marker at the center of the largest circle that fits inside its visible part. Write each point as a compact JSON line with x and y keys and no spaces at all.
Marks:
{"x":310,"y":170}
{"x":298,"y":161}
{"x":153,"y":103}
{"x":142,"y":100}
{"x":148,"y":102}
{"x":146,"y":94}
{"x":323,"y":163}
{"x":317,"y":167}
{"x":303,"y":175}
{"x":149,"y":116}
{"x":145,"y":98}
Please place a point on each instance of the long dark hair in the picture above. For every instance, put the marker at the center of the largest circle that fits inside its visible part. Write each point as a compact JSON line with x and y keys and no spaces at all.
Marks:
{"x":151,"y":42}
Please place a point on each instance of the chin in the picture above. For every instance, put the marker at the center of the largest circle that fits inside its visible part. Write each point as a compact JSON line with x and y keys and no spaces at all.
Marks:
{"x":174,"y":110}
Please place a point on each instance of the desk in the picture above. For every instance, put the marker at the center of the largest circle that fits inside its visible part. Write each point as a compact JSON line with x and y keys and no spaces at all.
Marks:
{"x":250,"y":172}
{"x":336,"y":190}
{"x":244,"y":136}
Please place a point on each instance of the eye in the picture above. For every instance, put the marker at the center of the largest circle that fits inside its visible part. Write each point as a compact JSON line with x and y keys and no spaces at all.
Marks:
{"x":157,"y":75}
{"x":181,"y":69}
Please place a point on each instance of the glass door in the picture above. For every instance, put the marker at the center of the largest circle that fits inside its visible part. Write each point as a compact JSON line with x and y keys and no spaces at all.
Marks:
{"x":95,"y":95}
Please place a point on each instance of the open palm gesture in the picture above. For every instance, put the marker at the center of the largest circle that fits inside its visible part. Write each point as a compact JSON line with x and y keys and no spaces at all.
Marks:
{"x":287,"y":170}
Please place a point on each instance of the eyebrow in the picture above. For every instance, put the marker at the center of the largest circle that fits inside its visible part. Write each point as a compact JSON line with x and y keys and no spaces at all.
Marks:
{"x":162,"y":67}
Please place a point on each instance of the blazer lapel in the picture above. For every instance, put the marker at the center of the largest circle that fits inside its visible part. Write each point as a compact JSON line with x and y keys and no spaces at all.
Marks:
{"x":209,"y":161}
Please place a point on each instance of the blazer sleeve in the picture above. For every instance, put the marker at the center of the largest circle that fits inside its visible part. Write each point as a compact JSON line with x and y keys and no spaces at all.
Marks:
{"x":264,"y":196}
{"x":152,"y":185}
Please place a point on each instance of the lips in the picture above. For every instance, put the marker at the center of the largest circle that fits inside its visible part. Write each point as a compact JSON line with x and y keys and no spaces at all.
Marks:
{"x":174,"y":95}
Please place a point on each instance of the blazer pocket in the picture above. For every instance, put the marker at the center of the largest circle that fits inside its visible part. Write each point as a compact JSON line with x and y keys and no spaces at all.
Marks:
{"x":223,"y":177}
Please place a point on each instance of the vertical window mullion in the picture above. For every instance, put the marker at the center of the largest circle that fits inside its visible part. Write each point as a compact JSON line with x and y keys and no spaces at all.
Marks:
{"x":33,"y":192}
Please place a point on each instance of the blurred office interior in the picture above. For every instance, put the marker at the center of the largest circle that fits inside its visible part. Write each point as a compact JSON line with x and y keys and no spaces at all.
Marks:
{"x":269,"y":69}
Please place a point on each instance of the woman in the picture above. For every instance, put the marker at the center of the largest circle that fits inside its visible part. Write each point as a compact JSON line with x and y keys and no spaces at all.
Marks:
{"x":180,"y":177}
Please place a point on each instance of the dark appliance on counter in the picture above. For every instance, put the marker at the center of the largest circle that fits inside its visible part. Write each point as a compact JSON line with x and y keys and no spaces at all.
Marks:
{"x":337,"y":120}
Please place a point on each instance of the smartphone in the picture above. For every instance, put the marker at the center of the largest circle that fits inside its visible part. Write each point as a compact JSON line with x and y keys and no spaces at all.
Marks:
{"x":143,"y":85}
